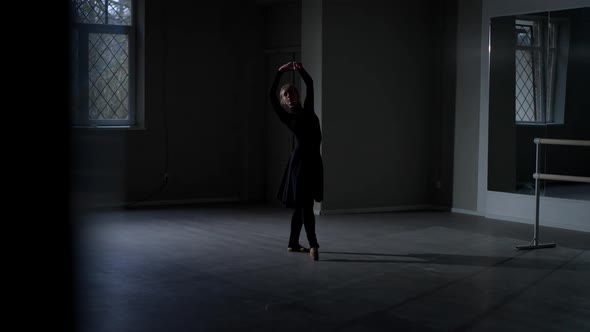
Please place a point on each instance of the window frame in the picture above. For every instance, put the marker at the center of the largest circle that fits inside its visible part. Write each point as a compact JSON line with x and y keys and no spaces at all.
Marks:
{"x":536,"y":24}
{"x":80,"y":34}
{"x":551,"y":114}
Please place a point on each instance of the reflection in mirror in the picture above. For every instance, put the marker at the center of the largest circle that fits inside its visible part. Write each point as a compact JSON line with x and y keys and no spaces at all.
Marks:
{"x":539,"y":87}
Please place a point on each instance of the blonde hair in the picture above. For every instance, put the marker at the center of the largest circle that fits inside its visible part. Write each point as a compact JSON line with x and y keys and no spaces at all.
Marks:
{"x":283,"y":89}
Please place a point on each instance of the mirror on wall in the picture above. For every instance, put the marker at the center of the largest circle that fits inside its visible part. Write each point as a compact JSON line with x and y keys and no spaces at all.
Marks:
{"x":539,"y":87}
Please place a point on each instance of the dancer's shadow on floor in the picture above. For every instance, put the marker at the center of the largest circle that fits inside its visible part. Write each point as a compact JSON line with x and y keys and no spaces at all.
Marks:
{"x":516,"y":261}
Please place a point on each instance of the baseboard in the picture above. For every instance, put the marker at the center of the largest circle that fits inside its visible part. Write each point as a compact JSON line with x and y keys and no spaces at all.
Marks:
{"x":542,"y":222}
{"x":171,"y":202}
{"x":439,"y":208}
{"x":384,"y":209}
{"x":553,"y":212}
{"x":512,"y":219}
{"x":463,"y":211}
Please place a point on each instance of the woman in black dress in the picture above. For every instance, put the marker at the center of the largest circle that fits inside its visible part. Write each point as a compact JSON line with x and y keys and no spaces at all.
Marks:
{"x":303,"y":180}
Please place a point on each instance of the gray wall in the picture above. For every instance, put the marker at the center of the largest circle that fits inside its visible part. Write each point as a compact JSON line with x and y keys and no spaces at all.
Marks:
{"x":203,"y":75}
{"x":442,"y":124}
{"x":377,"y":105}
{"x":381,"y":92}
{"x":282,"y":24}
{"x":466,"y":149}
{"x":312,"y":53}
{"x":502,"y":127}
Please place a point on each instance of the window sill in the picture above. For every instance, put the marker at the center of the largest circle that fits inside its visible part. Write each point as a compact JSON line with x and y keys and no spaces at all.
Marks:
{"x":109,"y":128}
{"x":534,"y":124}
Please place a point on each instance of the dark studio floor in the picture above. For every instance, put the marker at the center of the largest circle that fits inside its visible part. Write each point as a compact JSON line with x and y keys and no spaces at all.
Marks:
{"x":226,"y":268}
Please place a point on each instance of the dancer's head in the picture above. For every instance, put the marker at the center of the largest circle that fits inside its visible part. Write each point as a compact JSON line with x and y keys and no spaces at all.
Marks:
{"x":289,"y":96}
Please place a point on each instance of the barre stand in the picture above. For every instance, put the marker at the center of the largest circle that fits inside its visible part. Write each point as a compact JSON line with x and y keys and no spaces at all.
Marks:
{"x":536,"y":243}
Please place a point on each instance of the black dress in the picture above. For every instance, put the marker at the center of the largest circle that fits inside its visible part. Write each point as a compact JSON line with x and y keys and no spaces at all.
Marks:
{"x":303,"y":179}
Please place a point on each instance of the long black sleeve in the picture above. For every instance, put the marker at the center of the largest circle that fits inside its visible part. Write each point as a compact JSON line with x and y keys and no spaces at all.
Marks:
{"x":308,"y":105}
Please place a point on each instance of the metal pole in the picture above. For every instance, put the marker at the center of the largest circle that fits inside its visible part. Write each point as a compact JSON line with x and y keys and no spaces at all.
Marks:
{"x":535,"y":243}
{"x":537,"y":198}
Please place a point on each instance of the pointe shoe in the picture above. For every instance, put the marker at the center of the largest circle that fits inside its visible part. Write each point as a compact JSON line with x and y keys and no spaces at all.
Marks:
{"x":314,"y":253}
{"x":298,"y":248}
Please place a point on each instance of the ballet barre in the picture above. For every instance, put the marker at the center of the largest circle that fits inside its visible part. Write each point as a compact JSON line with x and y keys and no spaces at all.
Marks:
{"x":536,"y":243}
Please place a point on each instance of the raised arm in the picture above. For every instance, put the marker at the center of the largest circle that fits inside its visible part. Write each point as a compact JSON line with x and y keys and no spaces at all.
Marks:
{"x":308,"y":104}
{"x":283,"y":115}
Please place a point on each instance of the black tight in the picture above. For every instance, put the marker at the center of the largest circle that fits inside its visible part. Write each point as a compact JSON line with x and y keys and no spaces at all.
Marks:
{"x":303,"y":215}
